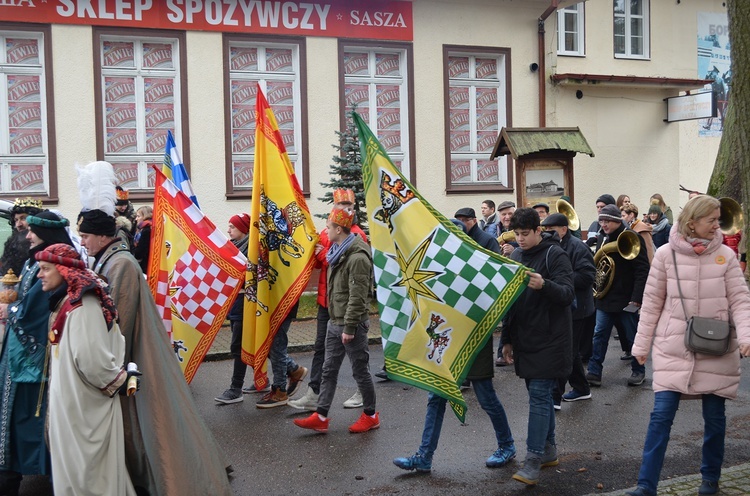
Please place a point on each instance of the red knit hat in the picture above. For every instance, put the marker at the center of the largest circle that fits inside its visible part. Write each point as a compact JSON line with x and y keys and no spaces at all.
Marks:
{"x":241,"y":222}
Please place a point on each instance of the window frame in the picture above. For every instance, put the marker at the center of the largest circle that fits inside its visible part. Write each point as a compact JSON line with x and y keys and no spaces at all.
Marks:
{"x":182,"y":135}
{"x":461,"y":50}
{"x":50,"y":194}
{"x":371,"y":46}
{"x":628,"y":17}
{"x":579,"y":10}
{"x":304,"y":156}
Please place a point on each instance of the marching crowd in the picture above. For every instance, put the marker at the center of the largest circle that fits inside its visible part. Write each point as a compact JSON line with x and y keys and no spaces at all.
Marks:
{"x":75,"y":347}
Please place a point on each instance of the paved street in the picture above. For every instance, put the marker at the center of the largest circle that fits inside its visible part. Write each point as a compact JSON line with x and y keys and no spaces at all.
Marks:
{"x":600,"y":441}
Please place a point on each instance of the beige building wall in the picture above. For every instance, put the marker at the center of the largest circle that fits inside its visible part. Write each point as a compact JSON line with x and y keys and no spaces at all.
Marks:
{"x":636,"y":152}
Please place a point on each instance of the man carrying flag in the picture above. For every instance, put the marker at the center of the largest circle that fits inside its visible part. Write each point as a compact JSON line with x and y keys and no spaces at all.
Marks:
{"x":280,"y":259}
{"x":440,"y":294}
{"x":349,"y":284}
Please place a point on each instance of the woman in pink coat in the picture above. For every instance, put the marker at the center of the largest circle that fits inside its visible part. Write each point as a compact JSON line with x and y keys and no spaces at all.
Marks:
{"x":713,"y":287}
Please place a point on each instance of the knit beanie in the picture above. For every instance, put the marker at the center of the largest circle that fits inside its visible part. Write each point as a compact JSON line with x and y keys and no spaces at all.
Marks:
{"x":610,"y":213}
{"x":606,"y":199}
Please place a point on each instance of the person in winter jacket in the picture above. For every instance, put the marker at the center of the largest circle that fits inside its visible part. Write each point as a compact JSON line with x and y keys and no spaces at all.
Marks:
{"x":468,"y":218}
{"x":480,"y":375}
{"x":490,"y":219}
{"x":309,"y":401}
{"x":712,"y":285}
{"x":583,"y":280}
{"x":536,"y":335}
{"x":644,"y":229}
{"x":660,"y":225}
{"x":626,"y":291}
{"x":238,"y":229}
{"x":142,"y":238}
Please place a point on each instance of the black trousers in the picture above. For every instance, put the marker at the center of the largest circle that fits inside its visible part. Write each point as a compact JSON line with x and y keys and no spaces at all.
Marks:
{"x":577,"y":378}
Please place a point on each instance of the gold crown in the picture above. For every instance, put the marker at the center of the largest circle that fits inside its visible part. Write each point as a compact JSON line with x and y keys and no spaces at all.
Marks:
{"x":28,"y":202}
{"x":396,"y":188}
{"x":122,"y":194}
{"x":342,"y":217}
{"x":343,"y":195}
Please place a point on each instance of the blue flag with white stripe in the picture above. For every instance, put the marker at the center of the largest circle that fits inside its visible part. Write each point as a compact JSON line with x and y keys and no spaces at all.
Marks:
{"x":174,"y":169}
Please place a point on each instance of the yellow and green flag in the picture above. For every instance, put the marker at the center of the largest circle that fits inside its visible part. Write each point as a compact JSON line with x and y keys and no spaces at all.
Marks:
{"x":281,"y":245}
{"x":440,"y":294}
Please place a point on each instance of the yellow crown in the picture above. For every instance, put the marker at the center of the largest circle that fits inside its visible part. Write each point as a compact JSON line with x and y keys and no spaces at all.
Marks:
{"x":342,"y":217}
{"x":28,"y":202}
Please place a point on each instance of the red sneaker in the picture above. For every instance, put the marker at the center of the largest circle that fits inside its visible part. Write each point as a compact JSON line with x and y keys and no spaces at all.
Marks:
{"x":365,"y":423}
{"x":313,"y":422}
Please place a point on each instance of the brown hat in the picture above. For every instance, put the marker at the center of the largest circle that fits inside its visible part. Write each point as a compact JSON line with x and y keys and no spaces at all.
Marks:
{"x":505,"y":205}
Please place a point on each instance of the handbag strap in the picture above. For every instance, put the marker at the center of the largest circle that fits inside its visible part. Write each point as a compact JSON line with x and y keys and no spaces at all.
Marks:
{"x":679,"y":289}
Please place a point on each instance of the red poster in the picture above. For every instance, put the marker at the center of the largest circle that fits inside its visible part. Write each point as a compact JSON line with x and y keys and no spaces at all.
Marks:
{"x":391,"y":140}
{"x":389,"y":119}
{"x":458,"y":98}
{"x":23,"y":88}
{"x":243,"y":174}
{"x":486,"y":171}
{"x":280,"y":92}
{"x":160,"y":115}
{"x":122,"y":140}
{"x":126,"y":174}
{"x":284,"y":116}
{"x":279,"y":60}
{"x":120,"y":115}
{"x":388,"y":95}
{"x":387,"y":64}
{"x":24,"y":114}
{"x":460,"y":171}
{"x":155,"y":139}
{"x":158,"y":90}
{"x":116,"y":53}
{"x":243,"y":141}
{"x":460,"y":141}
{"x":458,"y":67}
{"x":27,"y":177}
{"x":22,"y":51}
{"x":486,"y":68}
{"x":356,"y":64}
{"x":119,"y":89}
{"x":459,"y":120}
{"x":243,"y":117}
{"x":486,"y":141}
{"x":157,"y":55}
{"x":243,"y":58}
{"x":357,"y":94}
{"x":243,"y":92}
{"x":487,"y":120}
{"x":27,"y":141}
{"x":365,"y":19}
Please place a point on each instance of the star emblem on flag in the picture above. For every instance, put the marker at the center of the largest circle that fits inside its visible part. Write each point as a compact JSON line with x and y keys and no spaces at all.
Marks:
{"x":414,"y":277}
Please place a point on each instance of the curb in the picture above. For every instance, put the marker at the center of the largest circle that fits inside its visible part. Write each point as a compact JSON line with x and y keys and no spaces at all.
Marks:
{"x":292,"y":348}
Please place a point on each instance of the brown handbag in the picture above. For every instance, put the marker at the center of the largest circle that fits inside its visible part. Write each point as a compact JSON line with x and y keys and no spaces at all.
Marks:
{"x":703,"y":335}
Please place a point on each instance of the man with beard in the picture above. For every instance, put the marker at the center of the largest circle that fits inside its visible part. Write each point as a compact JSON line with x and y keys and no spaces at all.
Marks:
{"x":16,"y":249}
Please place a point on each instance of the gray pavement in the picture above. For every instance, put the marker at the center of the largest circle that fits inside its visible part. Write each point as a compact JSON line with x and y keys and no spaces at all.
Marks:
{"x":600,"y":441}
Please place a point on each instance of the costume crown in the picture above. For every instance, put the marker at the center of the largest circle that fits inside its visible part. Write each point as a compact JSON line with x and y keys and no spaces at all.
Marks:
{"x":28,"y":202}
{"x":121,"y":193}
{"x":342,"y":217}
{"x":343,"y":195}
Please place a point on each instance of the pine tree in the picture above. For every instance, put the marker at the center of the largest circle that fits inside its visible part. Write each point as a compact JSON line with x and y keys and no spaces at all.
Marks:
{"x":346,"y":171}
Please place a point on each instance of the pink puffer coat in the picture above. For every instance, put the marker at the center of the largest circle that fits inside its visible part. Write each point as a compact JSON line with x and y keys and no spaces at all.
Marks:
{"x":713,"y":287}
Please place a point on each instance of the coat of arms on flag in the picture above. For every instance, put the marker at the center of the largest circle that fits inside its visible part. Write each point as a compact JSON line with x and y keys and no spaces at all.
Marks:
{"x":440,"y":295}
{"x":281,"y":245}
{"x":195,"y":273}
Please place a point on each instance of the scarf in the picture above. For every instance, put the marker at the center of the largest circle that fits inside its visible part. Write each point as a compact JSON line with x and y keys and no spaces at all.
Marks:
{"x":699,"y":244}
{"x":141,"y":225}
{"x":336,"y":250}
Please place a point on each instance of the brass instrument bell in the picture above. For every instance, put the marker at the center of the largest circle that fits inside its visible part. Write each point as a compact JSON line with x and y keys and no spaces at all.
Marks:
{"x":730,"y":218}
{"x":568,"y":211}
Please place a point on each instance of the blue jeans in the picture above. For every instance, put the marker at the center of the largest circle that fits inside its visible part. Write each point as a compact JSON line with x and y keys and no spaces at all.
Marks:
{"x":541,"y":415}
{"x":666,"y":404}
{"x":627,"y":323}
{"x":488,"y":400}
{"x":281,"y":363}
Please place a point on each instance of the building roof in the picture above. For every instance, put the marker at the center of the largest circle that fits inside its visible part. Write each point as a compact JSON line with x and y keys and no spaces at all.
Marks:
{"x":521,"y":141}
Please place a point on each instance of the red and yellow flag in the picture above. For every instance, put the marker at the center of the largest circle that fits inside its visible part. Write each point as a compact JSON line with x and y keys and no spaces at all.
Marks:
{"x":194,"y":273}
{"x":281,"y":246}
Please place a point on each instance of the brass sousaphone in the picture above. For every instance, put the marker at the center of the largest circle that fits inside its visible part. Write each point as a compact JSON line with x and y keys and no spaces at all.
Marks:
{"x":628,"y":246}
{"x":568,"y":211}
{"x":730,"y":218}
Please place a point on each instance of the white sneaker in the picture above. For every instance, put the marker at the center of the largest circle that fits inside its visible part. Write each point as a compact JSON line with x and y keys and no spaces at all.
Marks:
{"x":309,"y":401}
{"x":355,"y":401}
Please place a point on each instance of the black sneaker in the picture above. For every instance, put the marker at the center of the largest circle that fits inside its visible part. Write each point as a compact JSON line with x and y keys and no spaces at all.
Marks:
{"x":382,"y":374}
{"x":708,"y":487}
{"x":636,"y":379}
{"x":594,"y":380}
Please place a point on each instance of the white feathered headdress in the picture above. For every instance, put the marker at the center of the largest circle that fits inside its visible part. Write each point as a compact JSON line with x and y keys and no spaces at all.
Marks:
{"x":96,"y":186}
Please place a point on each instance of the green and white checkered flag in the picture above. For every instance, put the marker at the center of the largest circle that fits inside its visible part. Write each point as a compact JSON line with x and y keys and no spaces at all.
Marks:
{"x":440,"y":295}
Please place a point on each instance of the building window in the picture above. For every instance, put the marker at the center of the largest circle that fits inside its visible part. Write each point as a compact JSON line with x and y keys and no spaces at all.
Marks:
{"x":570,"y":30}
{"x":140,"y":98}
{"x":377,"y":82}
{"x":25,"y":114}
{"x":631,"y":29}
{"x":277,"y":68}
{"x":477,"y":107}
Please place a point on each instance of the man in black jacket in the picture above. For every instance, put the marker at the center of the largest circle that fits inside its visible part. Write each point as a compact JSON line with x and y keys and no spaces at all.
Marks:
{"x":626,"y":291}
{"x":536,"y":335}
{"x":583,"y":281}
{"x":480,"y":375}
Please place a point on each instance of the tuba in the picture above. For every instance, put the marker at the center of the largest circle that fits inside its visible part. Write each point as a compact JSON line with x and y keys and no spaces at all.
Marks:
{"x":730,"y":218}
{"x":506,"y":237}
{"x":567,"y":210}
{"x":628,"y":246}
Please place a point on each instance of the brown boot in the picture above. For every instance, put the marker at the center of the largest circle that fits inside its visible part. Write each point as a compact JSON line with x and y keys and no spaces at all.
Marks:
{"x":275,"y":398}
